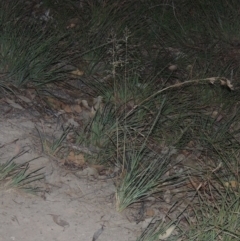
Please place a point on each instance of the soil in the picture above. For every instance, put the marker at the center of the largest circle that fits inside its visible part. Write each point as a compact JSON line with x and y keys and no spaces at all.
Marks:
{"x":69,"y":207}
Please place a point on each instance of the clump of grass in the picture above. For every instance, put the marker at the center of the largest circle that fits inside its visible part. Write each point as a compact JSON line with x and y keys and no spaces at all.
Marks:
{"x":30,"y":52}
{"x":53,"y":146}
{"x":217,"y":221}
{"x":158,"y":230}
{"x":100,"y":134}
{"x":202,"y":32}
{"x":143,"y":175}
{"x":18,"y":176}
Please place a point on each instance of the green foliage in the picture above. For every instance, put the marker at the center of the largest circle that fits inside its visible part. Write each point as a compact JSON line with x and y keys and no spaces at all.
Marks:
{"x":30,"y":53}
{"x":219,"y":221}
{"x":13,"y":175}
{"x":156,"y":66}
{"x":201,"y":34}
{"x":156,"y":229}
{"x":143,"y":176}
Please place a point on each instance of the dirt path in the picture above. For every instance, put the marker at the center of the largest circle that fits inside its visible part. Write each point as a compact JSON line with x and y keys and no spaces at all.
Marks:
{"x":85,"y":207}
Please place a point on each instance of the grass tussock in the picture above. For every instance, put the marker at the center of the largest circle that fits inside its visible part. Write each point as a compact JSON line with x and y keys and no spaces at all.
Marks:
{"x":19,"y":176}
{"x":143,"y":176}
{"x":217,"y":221}
{"x":31,"y":54}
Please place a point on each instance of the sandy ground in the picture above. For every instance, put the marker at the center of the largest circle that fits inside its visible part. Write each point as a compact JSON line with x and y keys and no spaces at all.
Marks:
{"x":71,"y":208}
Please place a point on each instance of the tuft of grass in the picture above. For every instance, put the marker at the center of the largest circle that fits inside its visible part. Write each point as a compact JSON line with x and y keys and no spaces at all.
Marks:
{"x":30,"y":52}
{"x":158,"y":230}
{"x":143,"y":175}
{"x":18,"y":176}
{"x":217,"y":221}
{"x":52,"y":147}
